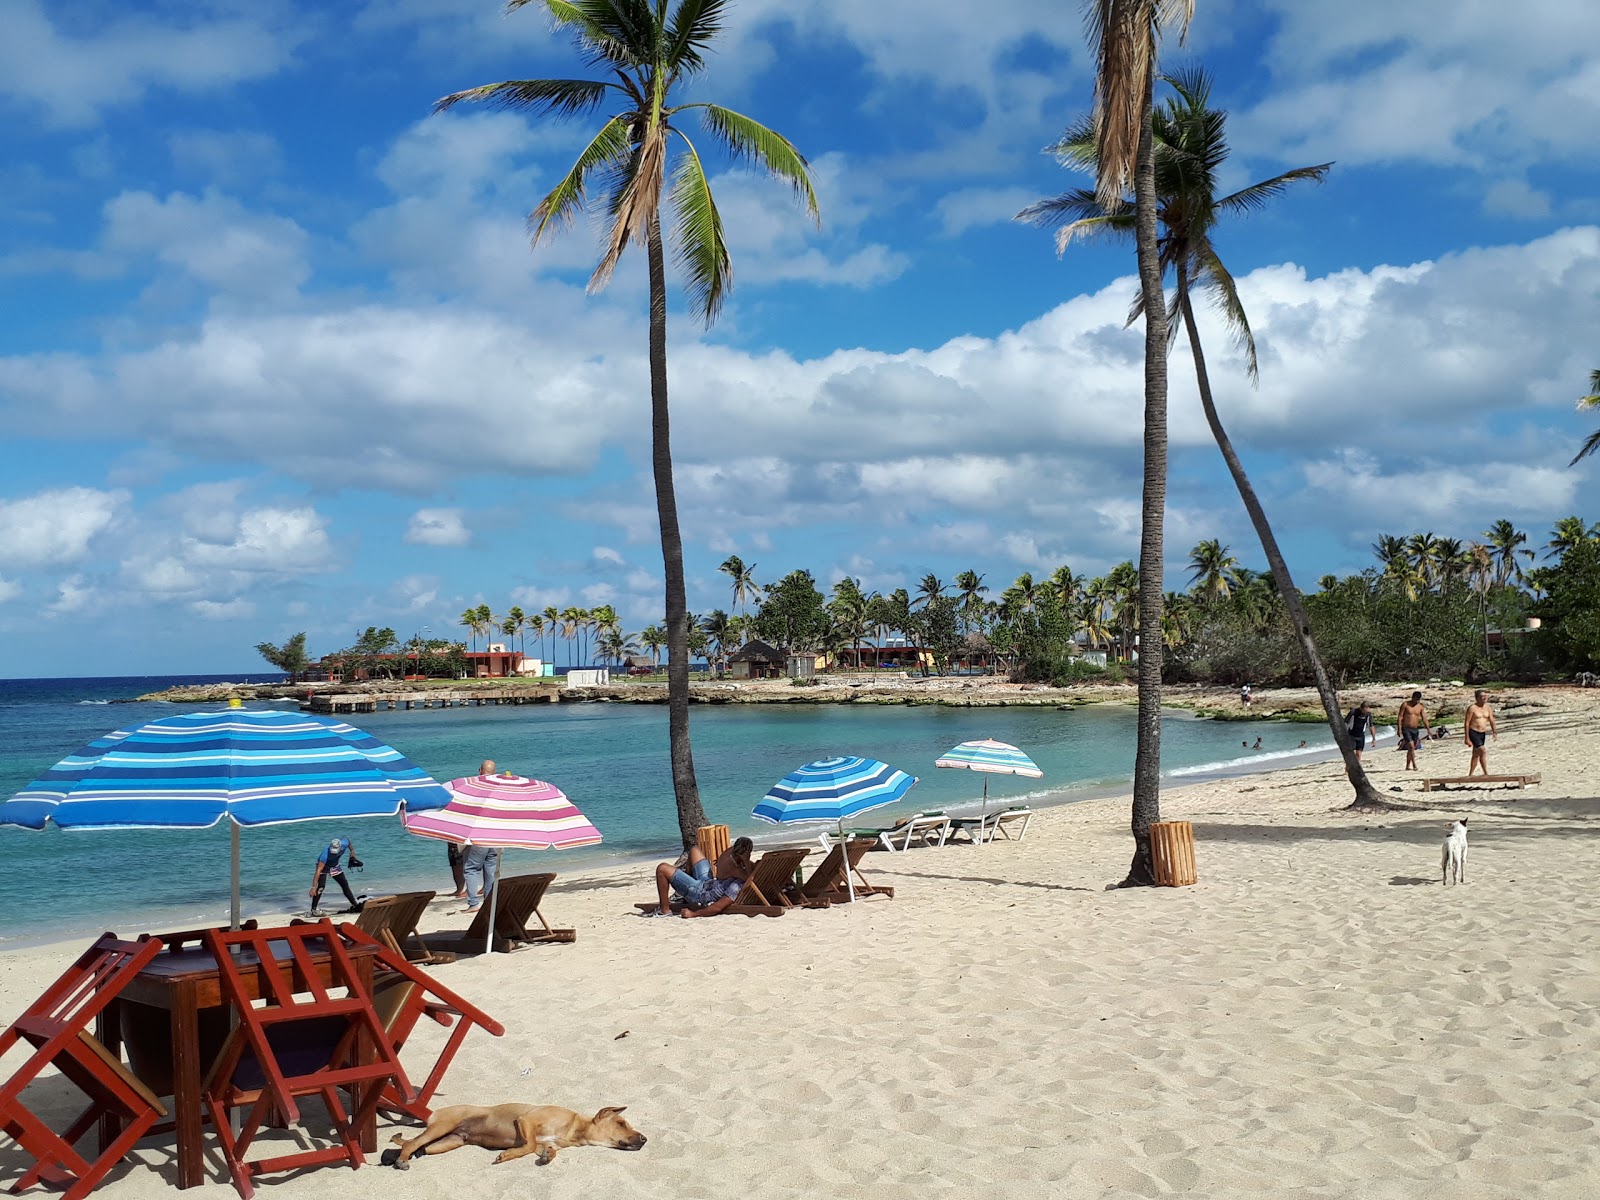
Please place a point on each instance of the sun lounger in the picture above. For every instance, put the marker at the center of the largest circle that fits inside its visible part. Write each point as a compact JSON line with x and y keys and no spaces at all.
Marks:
{"x":923,"y":828}
{"x":516,"y":905}
{"x":984,"y":828}
{"x":827,"y":884}
{"x":392,"y":920}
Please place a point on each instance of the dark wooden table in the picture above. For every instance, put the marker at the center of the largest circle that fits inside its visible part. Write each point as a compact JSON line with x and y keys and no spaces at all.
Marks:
{"x":186,"y":985}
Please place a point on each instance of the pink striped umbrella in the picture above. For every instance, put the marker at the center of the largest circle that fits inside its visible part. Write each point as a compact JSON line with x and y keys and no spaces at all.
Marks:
{"x":508,"y":811}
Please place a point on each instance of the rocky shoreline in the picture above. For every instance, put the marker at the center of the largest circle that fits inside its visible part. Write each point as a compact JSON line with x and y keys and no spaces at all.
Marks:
{"x":1279,"y":704}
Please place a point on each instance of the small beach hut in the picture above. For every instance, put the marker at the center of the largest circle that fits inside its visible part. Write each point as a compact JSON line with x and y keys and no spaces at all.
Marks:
{"x":757,"y":660}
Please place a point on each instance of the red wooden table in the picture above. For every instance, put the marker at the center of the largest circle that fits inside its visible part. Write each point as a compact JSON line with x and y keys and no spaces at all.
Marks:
{"x":184,"y":984}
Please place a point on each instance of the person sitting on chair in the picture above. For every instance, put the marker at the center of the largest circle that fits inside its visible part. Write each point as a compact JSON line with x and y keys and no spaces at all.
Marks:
{"x":328,"y":866}
{"x":705,"y":895}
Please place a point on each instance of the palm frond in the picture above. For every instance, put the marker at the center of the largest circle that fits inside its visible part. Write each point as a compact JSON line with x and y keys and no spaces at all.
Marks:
{"x":1592,"y":400}
{"x":694,"y":25}
{"x":636,"y":198}
{"x":614,"y":32}
{"x":1590,"y":445}
{"x":753,"y":141}
{"x":699,"y":245}
{"x":1122,"y":35}
{"x":608,"y":147}
{"x":1255,"y":196}
{"x":1075,"y":148}
{"x":1216,"y":279}
{"x":563,"y":97}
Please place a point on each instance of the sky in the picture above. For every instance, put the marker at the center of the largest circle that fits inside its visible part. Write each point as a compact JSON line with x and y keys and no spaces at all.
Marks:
{"x":278,"y":355}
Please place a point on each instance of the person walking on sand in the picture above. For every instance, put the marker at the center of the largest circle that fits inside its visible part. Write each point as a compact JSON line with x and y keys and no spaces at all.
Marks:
{"x":480,"y":863}
{"x":1413,"y":724}
{"x":329,"y":865}
{"x":1480,"y":728}
{"x":1361,"y":727}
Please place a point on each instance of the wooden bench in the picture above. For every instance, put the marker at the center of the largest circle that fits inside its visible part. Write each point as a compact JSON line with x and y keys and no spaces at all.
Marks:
{"x":1429,"y":785}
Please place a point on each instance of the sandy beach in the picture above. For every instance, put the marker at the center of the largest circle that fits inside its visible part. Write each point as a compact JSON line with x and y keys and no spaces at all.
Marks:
{"x":1316,"y":1017}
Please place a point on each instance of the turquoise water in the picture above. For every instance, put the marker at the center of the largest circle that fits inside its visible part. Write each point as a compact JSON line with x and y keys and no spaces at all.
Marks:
{"x":611,"y":759}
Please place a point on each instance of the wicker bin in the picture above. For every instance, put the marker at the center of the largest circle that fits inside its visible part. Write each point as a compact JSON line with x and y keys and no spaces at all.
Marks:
{"x":1172,"y":853}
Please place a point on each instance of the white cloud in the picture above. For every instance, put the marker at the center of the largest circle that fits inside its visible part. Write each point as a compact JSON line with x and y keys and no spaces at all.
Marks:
{"x":74,"y":594}
{"x":438,"y":527}
{"x":271,"y":540}
{"x":224,"y":610}
{"x":606,"y":554}
{"x":70,"y":69}
{"x":970,"y":208}
{"x":55,"y":526}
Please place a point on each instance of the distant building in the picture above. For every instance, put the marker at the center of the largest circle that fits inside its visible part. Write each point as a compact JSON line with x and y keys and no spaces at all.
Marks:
{"x":757,"y":660}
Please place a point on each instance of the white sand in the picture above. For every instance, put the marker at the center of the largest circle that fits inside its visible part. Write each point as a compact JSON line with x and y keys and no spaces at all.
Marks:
{"x":1317,"y":1017}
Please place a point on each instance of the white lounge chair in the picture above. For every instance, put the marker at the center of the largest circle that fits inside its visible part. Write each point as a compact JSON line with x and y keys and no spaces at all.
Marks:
{"x":998,"y":823}
{"x":923,"y":828}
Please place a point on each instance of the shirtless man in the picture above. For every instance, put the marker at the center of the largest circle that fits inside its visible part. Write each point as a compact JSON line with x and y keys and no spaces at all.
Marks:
{"x":1413,"y":724}
{"x":1480,"y":728}
{"x":703,"y":895}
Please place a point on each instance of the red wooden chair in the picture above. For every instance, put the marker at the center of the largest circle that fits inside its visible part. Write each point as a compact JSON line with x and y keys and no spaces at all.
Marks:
{"x":403,"y":994}
{"x":57,"y":1026}
{"x":304,"y":1041}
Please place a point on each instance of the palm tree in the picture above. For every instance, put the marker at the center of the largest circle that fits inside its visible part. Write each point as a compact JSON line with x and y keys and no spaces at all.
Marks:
{"x":1506,"y":542}
{"x":1025,"y":591}
{"x":1423,"y":551}
{"x":535,"y":626}
{"x":1213,"y":572}
{"x":745,"y":587}
{"x":645,"y":52}
{"x":514,"y":626}
{"x":1123,"y":36}
{"x":1189,"y":150}
{"x":1328,"y":582}
{"x":1592,"y":400}
{"x":469,"y":622}
{"x":970,"y":587}
{"x":1123,"y":593}
{"x":654,"y":638}
{"x":572,"y":619}
{"x":1568,"y":532}
{"x":723,"y":631}
{"x":928,"y":588}
{"x":1390,"y":552}
{"x":1064,"y":587}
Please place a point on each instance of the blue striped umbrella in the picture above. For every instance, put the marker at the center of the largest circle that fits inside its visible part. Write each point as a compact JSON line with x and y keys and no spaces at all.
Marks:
{"x":251,"y":768}
{"x":833,"y":789}
{"x":991,"y":758}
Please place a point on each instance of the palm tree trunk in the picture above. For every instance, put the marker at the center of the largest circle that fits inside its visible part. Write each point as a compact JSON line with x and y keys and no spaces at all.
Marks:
{"x":691,"y":816}
{"x":1366,"y":795}
{"x":1152,"y":513}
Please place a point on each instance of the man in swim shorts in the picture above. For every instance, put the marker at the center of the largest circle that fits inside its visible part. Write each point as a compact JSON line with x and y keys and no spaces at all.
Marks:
{"x":1480,"y":728}
{"x":1413,"y":724}
{"x":1361,"y":727}
{"x":706,"y":892}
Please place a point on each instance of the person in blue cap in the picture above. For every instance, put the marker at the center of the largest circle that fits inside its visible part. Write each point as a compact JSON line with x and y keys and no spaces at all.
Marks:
{"x":330,"y":866}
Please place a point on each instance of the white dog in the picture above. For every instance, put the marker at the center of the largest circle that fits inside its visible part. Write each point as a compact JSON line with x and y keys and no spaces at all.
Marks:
{"x":1453,"y":857}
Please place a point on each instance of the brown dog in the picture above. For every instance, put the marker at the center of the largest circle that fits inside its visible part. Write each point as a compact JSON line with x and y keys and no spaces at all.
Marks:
{"x":515,"y":1130}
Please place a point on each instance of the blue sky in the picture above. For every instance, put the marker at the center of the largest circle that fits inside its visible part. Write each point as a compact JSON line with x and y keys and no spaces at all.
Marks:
{"x":278,"y":356}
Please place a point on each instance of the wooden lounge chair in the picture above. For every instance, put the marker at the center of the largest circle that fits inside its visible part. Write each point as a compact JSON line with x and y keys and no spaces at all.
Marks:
{"x":516,"y":905}
{"x":827,"y":884}
{"x":923,"y":829}
{"x":393,"y":921}
{"x":402,"y":995}
{"x":1516,"y":781}
{"x":57,"y":1027}
{"x":298,"y":1044}
{"x":764,"y":894}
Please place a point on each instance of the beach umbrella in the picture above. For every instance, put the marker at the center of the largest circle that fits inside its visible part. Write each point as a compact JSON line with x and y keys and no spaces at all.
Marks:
{"x":506,"y":811}
{"x":991,"y":758}
{"x":248,"y":768}
{"x":833,"y":789}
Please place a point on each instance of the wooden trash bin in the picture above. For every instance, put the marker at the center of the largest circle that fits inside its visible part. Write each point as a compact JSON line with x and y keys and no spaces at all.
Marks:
{"x":1172,"y":853}
{"x":713,"y":840}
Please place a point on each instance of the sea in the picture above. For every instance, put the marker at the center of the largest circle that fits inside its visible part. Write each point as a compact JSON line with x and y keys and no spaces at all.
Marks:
{"x":611,"y":759}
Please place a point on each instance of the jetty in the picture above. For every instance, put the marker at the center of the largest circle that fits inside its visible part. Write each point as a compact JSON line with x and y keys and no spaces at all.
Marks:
{"x":363,"y":702}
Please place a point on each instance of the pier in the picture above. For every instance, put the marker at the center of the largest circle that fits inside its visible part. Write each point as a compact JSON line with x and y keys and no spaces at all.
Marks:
{"x":363,"y":702}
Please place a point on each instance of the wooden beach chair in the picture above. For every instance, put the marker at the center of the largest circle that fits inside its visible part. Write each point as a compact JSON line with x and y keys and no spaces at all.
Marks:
{"x":518,"y":903}
{"x":402,"y":995}
{"x":827,"y":884}
{"x":713,"y":840}
{"x":392,"y":920}
{"x":765,"y":893}
{"x":57,"y":1027}
{"x":1516,"y":781}
{"x":298,"y":1044}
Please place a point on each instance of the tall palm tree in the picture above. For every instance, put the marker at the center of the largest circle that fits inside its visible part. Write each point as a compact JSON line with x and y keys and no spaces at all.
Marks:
{"x":552,"y":624}
{"x":654,"y":638}
{"x":928,"y":588}
{"x":971,"y":589}
{"x":1123,"y":36}
{"x":1026,"y":592}
{"x":1568,"y":532}
{"x":1213,"y":572}
{"x":1390,"y":552}
{"x":745,"y":587}
{"x":1064,"y":587}
{"x":1506,"y":542}
{"x":469,"y":622}
{"x":647,"y":50}
{"x":1328,"y":582}
{"x":849,"y":610}
{"x":1189,"y":148}
{"x":1123,"y":593}
{"x":1423,"y":550}
{"x":515,"y":625}
{"x":1592,"y":400}
{"x":572,"y":619}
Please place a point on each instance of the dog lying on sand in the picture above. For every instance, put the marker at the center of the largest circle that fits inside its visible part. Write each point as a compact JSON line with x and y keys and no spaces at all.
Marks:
{"x":515,"y":1130}
{"x":1453,"y":856}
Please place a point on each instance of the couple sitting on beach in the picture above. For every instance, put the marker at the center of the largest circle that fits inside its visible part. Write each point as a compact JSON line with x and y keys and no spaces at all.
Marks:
{"x":706,"y":891}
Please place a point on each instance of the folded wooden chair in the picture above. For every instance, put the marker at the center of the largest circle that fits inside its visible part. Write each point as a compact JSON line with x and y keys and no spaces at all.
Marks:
{"x":57,"y":1026}
{"x":402,"y":996}
{"x":827,"y":884}
{"x":298,"y":1044}
{"x":393,"y":921}
{"x":764,"y":894}
{"x":517,"y":904}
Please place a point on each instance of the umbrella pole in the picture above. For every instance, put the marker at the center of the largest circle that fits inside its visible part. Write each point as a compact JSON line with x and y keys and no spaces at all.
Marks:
{"x":983,"y":813}
{"x":849,"y":883}
{"x":494,"y":895}
{"x":233,"y":914}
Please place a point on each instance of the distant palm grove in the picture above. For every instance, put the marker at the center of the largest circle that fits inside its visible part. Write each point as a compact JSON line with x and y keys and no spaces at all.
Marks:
{"x":1430,"y":606}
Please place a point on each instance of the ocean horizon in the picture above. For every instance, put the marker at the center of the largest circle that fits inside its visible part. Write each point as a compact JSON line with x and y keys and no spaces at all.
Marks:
{"x":611,"y":759}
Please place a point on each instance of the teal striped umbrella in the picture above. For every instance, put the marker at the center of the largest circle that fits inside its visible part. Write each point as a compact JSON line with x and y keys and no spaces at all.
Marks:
{"x":992,"y":758}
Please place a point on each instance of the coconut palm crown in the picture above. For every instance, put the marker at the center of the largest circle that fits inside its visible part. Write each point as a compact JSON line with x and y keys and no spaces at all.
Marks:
{"x":1592,"y":400}
{"x":645,"y":49}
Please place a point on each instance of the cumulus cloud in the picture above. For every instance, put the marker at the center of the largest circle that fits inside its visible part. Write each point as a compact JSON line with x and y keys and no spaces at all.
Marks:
{"x":438,"y":527}
{"x":223,"y":610}
{"x":55,"y":526}
{"x":73,"y":595}
{"x":271,"y":540}
{"x":606,"y":554}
